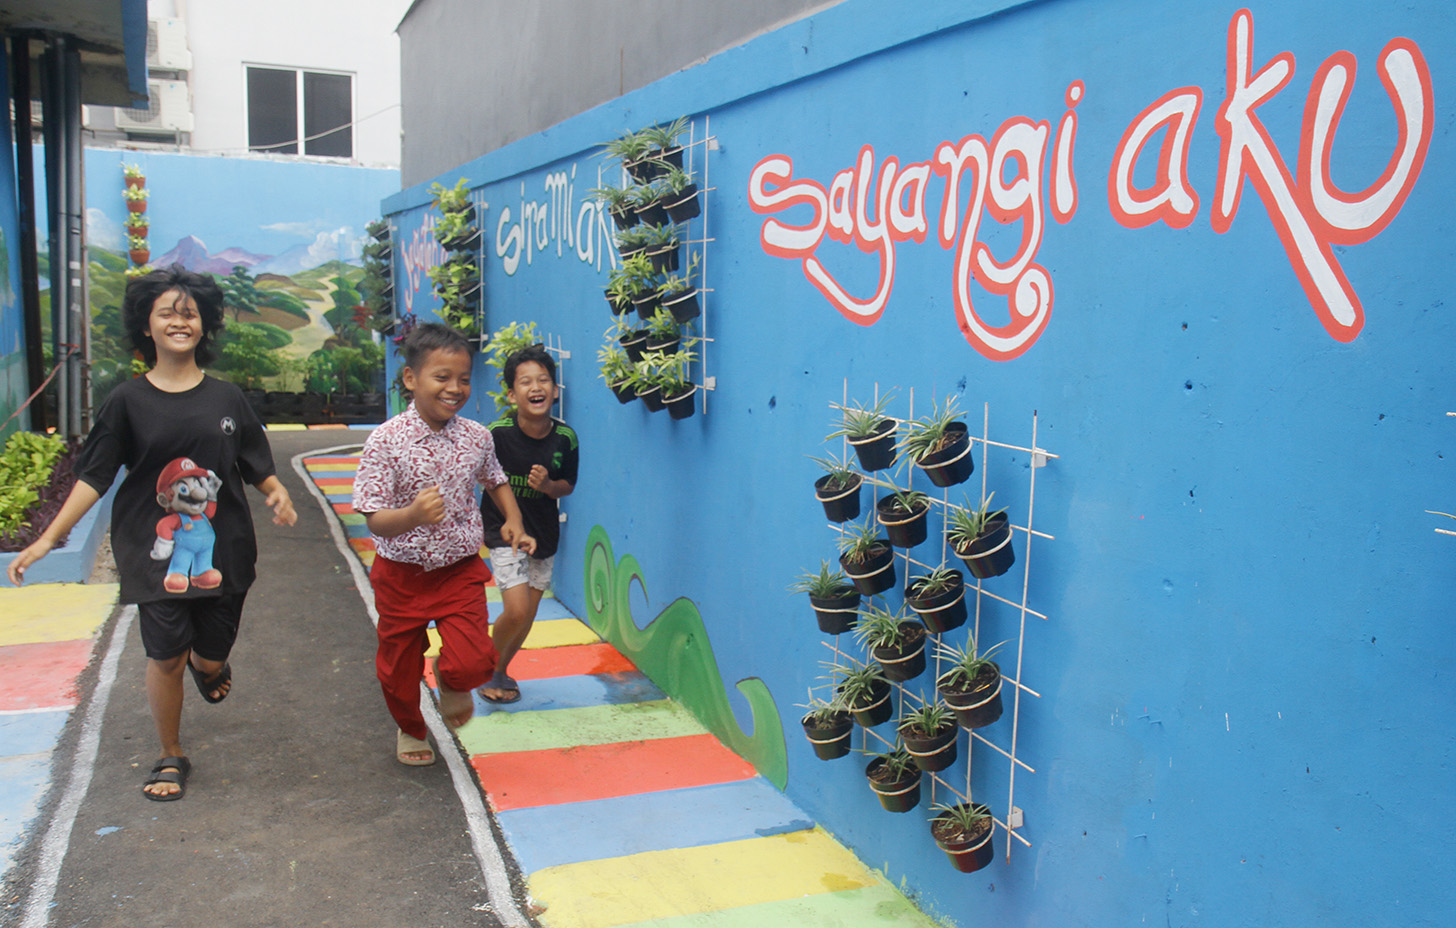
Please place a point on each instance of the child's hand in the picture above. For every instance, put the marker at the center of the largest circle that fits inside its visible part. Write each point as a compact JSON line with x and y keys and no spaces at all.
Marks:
{"x":515,"y":535}
{"x":37,"y":550}
{"x":429,"y":506}
{"x":537,"y":478}
{"x":282,"y":505}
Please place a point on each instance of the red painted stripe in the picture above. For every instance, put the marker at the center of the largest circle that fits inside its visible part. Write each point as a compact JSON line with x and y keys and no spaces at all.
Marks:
{"x":35,"y":676}
{"x":526,"y":779}
{"x":568,"y":661}
{"x":352,"y":460}
{"x":343,"y":509}
{"x":362,"y":544}
{"x":334,"y":481}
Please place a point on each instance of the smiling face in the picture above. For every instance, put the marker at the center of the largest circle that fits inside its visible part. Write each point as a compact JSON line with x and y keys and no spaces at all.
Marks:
{"x":533,"y":392}
{"x":175,"y":324}
{"x":441,"y":386}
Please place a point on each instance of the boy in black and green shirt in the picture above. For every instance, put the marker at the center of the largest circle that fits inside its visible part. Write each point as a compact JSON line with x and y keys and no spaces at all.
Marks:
{"x":539,"y":455}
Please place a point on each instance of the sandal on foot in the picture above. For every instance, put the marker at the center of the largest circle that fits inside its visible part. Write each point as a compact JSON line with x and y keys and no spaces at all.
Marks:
{"x":509,"y":692}
{"x":408,"y":744}
{"x":208,"y":685}
{"x":168,"y":770}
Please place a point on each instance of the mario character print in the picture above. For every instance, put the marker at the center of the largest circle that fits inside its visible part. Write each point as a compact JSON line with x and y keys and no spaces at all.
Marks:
{"x":184,"y":535}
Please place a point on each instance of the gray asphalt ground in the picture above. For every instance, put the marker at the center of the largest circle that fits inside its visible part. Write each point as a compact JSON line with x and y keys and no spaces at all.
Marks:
{"x":296,"y":813}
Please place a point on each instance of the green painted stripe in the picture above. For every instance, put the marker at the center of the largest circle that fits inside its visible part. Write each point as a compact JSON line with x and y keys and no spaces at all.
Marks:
{"x":500,"y":732}
{"x":880,"y":906}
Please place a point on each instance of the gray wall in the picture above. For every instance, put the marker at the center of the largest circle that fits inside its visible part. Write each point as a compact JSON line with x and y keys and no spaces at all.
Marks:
{"x":479,"y":74}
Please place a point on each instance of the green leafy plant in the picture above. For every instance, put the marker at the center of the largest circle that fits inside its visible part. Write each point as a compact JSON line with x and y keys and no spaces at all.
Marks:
{"x":26,"y":466}
{"x":964,"y":818}
{"x":137,"y":243}
{"x":896,"y":766}
{"x":880,"y":628}
{"x":665,"y":137}
{"x":633,"y":239}
{"x":820,"y":712}
{"x":927,"y":719}
{"x":504,"y":342}
{"x":966,"y":664}
{"x":828,"y":583}
{"x":137,"y":223}
{"x":628,"y":147}
{"x":859,"y":543}
{"x":613,"y":366}
{"x":929,"y":433}
{"x":858,"y":685}
{"x":451,"y":199}
{"x":132,"y":170}
{"x":377,"y":229}
{"x":859,"y":421}
{"x":966,"y":524}
{"x":673,"y":183}
{"x":907,"y":502}
{"x":615,"y":199}
{"x":454,"y":227}
{"x":663,"y":326}
{"x":136,"y":193}
{"x":679,"y":281}
{"x":841,"y":473}
{"x":664,"y":235}
{"x":940,"y":580}
{"x":672,"y":374}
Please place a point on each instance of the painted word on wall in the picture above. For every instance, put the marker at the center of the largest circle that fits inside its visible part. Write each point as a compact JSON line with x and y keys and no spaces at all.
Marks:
{"x":538,"y":224}
{"x":1310,"y":213}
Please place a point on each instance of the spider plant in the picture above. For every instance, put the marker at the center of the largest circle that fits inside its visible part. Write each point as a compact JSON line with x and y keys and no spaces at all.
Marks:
{"x":928,"y":719}
{"x":905,"y":502}
{"x":880,"y":628}
{"x":963,"y":817}
{"x":859,"y":686}
{"x":857,"y":545}
{"x":860,"y":421}
{"x":826,"y":584}
{"x":665,"y":137}
{"x":967,"y":524}
{"x":966,"y":664}
{"x":930,"y":432}
{"x":896,"y":766}
{"x":841,"y":473}
{"x":940,"y":580}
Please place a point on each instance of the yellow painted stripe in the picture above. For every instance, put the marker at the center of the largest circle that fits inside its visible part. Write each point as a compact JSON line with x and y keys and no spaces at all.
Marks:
{"x":556,"y":633}
{"x":881,"y":906}
{"x":684,"y":881}
{"x":54,"y":611}
{"x":287,"y":427}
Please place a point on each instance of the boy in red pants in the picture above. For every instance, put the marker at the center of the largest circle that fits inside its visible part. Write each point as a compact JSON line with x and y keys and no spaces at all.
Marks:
{"x":415,"y":487}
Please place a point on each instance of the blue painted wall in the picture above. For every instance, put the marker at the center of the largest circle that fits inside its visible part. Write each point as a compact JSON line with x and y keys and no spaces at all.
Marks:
{"x":13,"y":379}
{"x":1243,"y":673}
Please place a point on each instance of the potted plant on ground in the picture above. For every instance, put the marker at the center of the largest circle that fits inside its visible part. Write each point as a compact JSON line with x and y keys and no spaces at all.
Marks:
{"x":896,"y":643}
{"x":615,"y":370}
{"x":964,"y":831}
{"x":939,"y":598}
{"x":678,"y":389}
{"x":903,"y":513}
{"x":679,"y":195}
{"x":972,"y":685}
{"x":618,"y":203}
{"x":929,"y":734}
{"x":833,"y":598}
{"x":939,"y":444}
{"x":865,"y":692}
{"x":838,"y":489}
{"x":827,"y":725}
{"x":132,"y":176}
{"x":895,"y":779}
{"x":870,"y":433}
{"x":981,"y":539}
{"x":867,"y":559}
{"x":136,"y":199}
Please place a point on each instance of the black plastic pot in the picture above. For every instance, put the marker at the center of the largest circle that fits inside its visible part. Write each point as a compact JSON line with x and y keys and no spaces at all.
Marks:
{"x":967,"y":856}
{"x":646,"y":305}
{"x":877,"y":709}
{"x":624,"y":219}
{"x":952,"y":463}
{"x":876,"y":452}
{"x":665,"y":260}
{"x":935,"y":752}
{"x":467,"y":242}
{"x":903,"y":531}
{"x":876,"y":573}
{"x":635,"y":344}
{"x":651,"y":398}
{"x":840,"y":505}
{"x":830,"y":739}
{"x":684,"y":205}
{"x":623,"y":392}
{"x":941,"y":612}
{"x":990,"y":553}
{"x":668,"y":157}
{"x":651,"y":214}
{"x":618,"y":308}
{"x":975,"y":709}
{"x":665,"y":345}
{"x":899,"y":796}
{"x":907,"y":661}
{"x":683,"y":306}
{"x":836,"y":615}
{"x":681,"y":405}
{"x":644,"y":170}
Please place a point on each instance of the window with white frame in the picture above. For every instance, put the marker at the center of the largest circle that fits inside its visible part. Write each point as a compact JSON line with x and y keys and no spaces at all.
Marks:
{"x":291,"y":107}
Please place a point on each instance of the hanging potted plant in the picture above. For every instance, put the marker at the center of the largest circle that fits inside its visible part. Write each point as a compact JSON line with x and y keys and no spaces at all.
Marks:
{"x":663,"y":333}
{"x":631,"y":241}
{"x":647,"y":205}
{"x":662,"y":244}
{"x":964,"y":831}
{"x":939,"y":444}
{"x":136,"y":199}
{"x":617,"y":201}
{"x":378,"y":230}
{"x":677,"y":388}
{"x":903,"y":513}
{"x":827,"y":725}
{"x":631,"y":148}
{"x":456,"y":231}
{"x":632,"y":341}
{"x":838,"y":489}
{"x":677,"y":294}
{"x":137,"y":224}
{"x":972,"y":685}
{"x":620,"y":289}
{"x":929,"y":734}
{"x":981,"y":539}
{"x":869,"y":432}
{"x":645,"y":380}
{"x":939,"y":598}
{"x":138,"y":249}
{"x":895,"y":780}
{"x":679,"y":195}
{"x":615,"y":370}
{"x":865,"y":692}
{"x":132,"y":176}
{"x":833,"y":598}
{"x":867,"y":559}
{"x":663,"y":148}
{"x":896,"y":643}
{"x":457,"y":283}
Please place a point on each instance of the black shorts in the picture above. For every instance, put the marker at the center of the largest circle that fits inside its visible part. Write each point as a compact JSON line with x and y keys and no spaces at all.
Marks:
{"x":207,"y":625}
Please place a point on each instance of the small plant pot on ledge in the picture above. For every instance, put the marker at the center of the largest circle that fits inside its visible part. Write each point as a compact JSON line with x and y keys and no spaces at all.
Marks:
{"x":978,"y":706}
{"x":841,"y":504}
{"x":876,"y":573}
{"x":837,"y":615}
{"x":830,"y":737}
{"x":896,"y":795}
{"x":905,"y":529}
{"x":905,"y":661}
{"x":876,"y":452}
{"x":967,"y":851}
{"x":952,"y":463}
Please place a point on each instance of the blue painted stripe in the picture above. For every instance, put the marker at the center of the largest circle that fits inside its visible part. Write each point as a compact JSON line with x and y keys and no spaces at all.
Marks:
{"x":577,"y":692}
{"x":31,"y":732}
{"x":552,"y":609}
{"x":549,"y":836}
{"x":23,"y":782}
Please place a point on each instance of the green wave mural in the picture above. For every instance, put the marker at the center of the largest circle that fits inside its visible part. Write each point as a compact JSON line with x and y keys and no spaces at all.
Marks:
{"x":674,"y":651}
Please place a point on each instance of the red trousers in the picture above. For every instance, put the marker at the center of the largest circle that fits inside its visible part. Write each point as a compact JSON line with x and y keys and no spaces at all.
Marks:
{"x":408,"y":598}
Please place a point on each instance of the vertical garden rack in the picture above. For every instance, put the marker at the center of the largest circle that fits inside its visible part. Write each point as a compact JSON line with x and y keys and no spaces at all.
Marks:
{"x":1013,"y":820}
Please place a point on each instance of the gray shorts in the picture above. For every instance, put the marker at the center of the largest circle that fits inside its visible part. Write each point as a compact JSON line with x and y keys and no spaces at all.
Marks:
{"x":512,"y":568}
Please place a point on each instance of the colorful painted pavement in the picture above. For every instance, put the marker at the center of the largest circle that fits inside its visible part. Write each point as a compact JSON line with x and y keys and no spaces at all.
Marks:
{"x":622,"y":809}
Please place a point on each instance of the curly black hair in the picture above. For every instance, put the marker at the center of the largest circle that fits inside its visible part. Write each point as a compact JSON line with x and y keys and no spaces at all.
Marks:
{"x":142,"y":293}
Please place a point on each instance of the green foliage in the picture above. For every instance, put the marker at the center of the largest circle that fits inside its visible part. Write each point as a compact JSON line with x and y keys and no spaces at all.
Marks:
{"x":451,"y":199}
{"x":927,"y":434}
{"x":25,"y":469}
{"x":628,"y":147}
{"x":665,"y":137}
{"x":506,"y":341}
{"x":131,"y":170}
{"x":136,"y":193}
{"x":613,"y":365}
{"x":940,"y":580}
{"x":828,"y":583}
{"x":897,"y":765}
{"x":857,"y":685}
{"x":857,"y":543}
{"x":819,"y":711}
{"x":880,"y":628}
{"x":354,"y":369}
{"x":859,"y":421}
{"x":928,"y":719}
{"x":966,"y":664}
{"x":616,"y":199}
{"x":964,"y":817}
{"x":842,"y":474}
{"x":247,"y":352}
{"x":965,"y":524}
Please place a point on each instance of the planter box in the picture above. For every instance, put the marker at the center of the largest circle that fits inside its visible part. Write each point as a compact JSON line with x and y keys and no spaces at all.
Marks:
{"x":73,"y":562}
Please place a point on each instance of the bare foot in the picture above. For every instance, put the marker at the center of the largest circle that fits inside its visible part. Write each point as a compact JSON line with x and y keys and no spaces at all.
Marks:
{"x":456,"y":706}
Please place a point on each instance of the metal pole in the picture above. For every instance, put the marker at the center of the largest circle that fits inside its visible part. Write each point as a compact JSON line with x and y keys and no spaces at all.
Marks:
{"x":78,"y":367}
{"x":21,"y":95}
{"x":51,"y":107}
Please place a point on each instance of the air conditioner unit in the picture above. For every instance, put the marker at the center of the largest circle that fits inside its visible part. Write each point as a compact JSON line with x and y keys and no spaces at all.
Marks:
{"x":170,"y":111}
{"x":167,"y":45}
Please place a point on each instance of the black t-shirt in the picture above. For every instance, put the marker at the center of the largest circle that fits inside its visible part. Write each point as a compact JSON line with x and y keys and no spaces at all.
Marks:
{"x":517,"y":451}
{"x":180,"y":436}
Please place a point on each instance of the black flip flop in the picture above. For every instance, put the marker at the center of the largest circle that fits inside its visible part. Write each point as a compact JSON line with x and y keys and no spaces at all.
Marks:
{"x":511,"y":690}
{"x":181,"y":767}
{"x":206,"y":684}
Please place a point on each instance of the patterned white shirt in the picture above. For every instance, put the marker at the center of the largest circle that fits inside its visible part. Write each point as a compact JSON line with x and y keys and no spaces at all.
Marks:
{"x":404,"y":456}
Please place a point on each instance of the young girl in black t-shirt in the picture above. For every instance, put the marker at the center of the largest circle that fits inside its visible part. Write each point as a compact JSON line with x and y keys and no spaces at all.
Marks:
{"x":180,"y":525}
